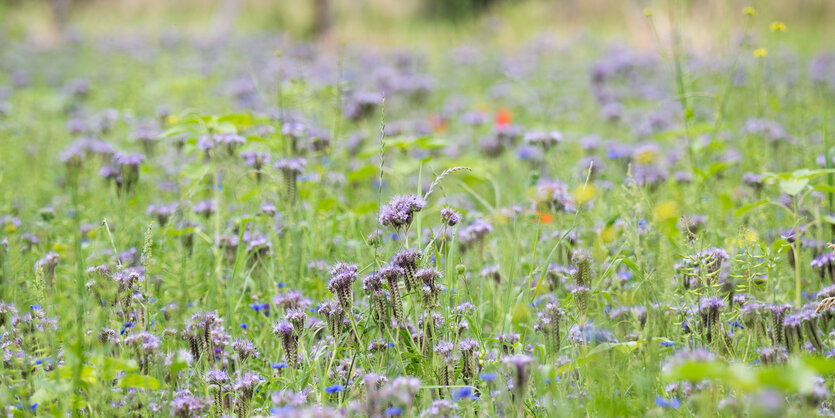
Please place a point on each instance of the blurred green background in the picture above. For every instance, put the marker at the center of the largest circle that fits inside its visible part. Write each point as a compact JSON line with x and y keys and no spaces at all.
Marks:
{"x":706,"y":23}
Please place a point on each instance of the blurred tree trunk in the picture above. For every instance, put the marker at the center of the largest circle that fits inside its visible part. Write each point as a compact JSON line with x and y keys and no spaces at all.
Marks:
{"x":322,"y":17}
{"x":60,"y":16}
{"x":227,"y":12}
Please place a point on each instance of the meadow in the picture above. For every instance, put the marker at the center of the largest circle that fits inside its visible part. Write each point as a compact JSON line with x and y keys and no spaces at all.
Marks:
{"x":571,"y":225}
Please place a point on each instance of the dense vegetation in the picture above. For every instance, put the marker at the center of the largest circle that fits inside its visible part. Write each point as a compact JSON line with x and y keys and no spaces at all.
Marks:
{"x":573,"y":226}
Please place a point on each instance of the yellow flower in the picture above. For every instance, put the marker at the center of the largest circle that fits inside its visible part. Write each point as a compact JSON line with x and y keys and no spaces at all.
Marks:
{"x":761,"y":52}
{"x":749,"y":11}
{"x":777,"y":26}
{"x":645,"y":157}
{"x":648,"y":12}
{"x":752,"y":236}
{"x":172,"y":119}
{"x":608,"y":234}
{"x":666,"y":210}
{"x":584,"y":193}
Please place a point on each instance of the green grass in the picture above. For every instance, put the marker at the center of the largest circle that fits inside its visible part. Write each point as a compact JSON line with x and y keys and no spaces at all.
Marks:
{"x":54,"y":356}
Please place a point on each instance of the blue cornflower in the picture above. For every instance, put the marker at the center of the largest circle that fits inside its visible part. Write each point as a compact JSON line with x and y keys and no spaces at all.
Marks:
{"x":394,"y":411}
{"x":279,"y":365}
{"x":465,"y":392}
{"x":487,"y":377}
{"x":666,"y":343}
{"x":391,"y":345}
{"x":736,"y":324}
{"x":334,"y":388}
{"x":243,"y":325}
{"x":672,"y":403}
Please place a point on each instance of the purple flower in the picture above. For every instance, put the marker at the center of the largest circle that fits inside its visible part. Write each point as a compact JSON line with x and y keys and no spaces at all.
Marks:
{"x":400,"y":210}
{"x":185,"y":405}
{"x":450,"y":217}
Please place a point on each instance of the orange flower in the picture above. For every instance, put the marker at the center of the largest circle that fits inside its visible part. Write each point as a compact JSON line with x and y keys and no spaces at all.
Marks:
{"x":504,"y":117}
{"x":438,"y":123}
{"x":544,"y":217}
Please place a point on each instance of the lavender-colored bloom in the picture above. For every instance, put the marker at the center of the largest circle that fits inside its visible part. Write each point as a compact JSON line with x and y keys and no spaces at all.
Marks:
{"x":450,"y":217}
{"x":400,"y":210}
{"x":343,"y":276}
{"x":244,"y":349}
{"x":521,"y":365}
{"x":186,"y":405}
{"x":205,"y":208}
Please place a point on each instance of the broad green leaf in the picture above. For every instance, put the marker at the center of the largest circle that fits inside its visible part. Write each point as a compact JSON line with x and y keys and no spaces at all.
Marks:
{"x":793,"y":187}
{"x":742,"y":210}
{"x":139,"y":381}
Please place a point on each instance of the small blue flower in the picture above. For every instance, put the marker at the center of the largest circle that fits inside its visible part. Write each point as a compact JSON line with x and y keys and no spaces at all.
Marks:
{"x":35,"y":307}
{"x":334,"y":388}
{"x":243,"y":325}
{"x":465,"y":392}
{"x":666,"y":344}
{"x":281,"y":285}
{"x":391,"y":345}
{"x":672,"y":403}
{"x":487,"y":377}
{"x":279,"y":365}
{"x":394,"y":411}
{"x":33,"y":407}
{"x":607,"y":309}
{"x":736,"y":324}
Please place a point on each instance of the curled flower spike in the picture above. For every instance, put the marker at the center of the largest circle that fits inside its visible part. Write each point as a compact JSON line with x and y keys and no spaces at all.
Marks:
{"x":772,"y":355}
{"x":400,"y":210}
{"x":520,"y":364}
{"x":391,"y":274}
{"x":372,"y":284}
{"x":582,"y":259}
{"x":581,"y":298}
{"x":548,"y":323}
{"x":408,"y":261}
{"x":290,"y":169}
{"x":778,"y":315}
{"x":444,"y":350}
{"x":428,"y":279}
{"x":289,"y":341}
{"x":343,"y":277}
{"x":334,"y":316}
{"x":296,"y":317}
{"x":792,"y":331}
{"x":809,"y":322}
{"x":469,"y":363}
{"x":709,"y":312}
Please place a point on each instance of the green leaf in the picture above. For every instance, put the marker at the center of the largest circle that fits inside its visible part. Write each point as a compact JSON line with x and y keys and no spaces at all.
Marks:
{"x":139,"y":381}
{"x":793,"y":187}
{"x":110,"y":367}
{"x":742,"y":210}
{"x":780,"y":245}
{"x":363,"y":173}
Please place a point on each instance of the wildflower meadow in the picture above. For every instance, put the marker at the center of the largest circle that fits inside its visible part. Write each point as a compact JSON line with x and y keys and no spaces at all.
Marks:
{"x":468,"y":208}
